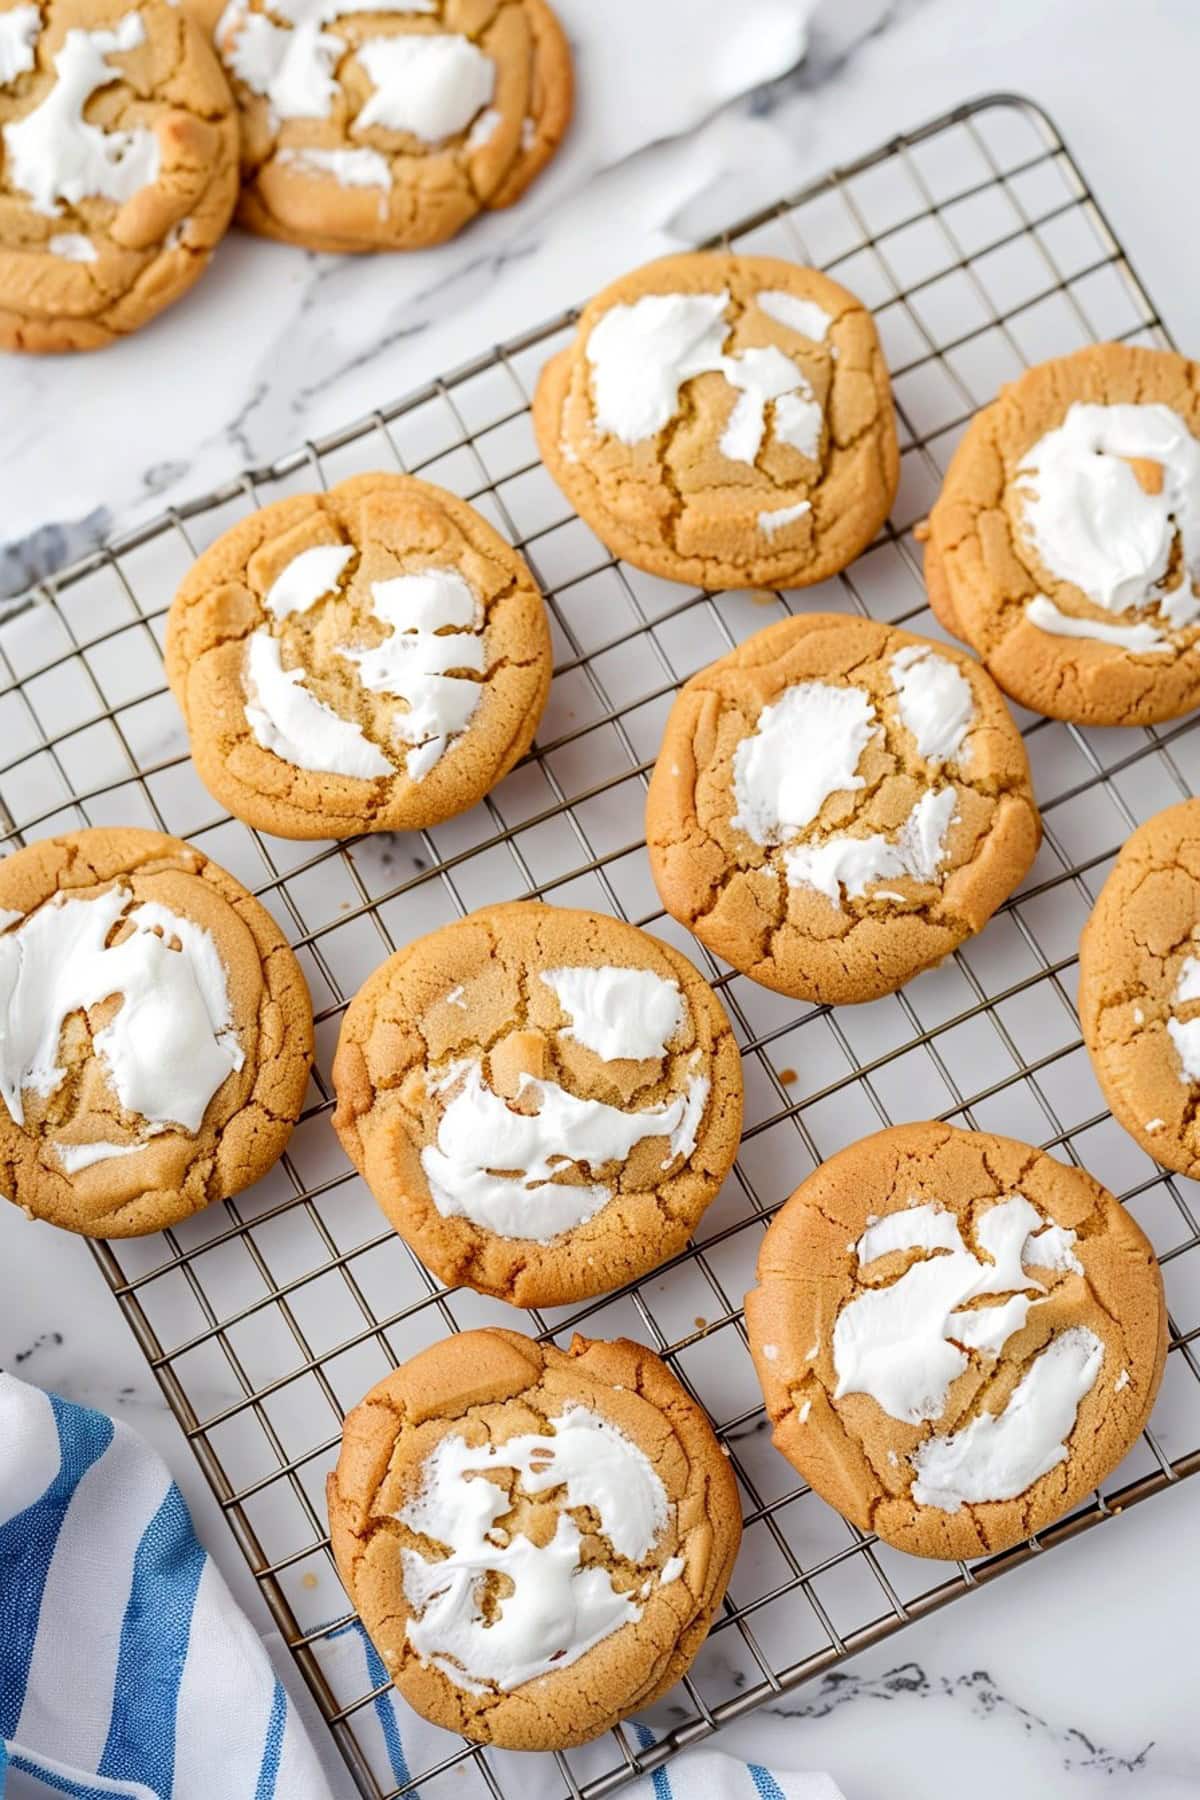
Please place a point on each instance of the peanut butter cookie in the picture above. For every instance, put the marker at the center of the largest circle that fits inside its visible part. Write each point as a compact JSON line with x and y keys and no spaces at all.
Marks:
{"x":537,"y":1540}
{"x":724,"y":420}
{"x":542,"y":1101}
{"x":381,"y":126}
{"x":155,"y":1032}
{"x":120,"y":167}
{"x":1064,"y":547}
{"x":958,"y":1337}
{"x":1139,"y":987}
{"x":371,"y":659}
{"x":837,"y":805}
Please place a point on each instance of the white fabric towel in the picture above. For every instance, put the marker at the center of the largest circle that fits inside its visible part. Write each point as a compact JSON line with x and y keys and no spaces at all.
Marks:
{"x":126,"y":1668}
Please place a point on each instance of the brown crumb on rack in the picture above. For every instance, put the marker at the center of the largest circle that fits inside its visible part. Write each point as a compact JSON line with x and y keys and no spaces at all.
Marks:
{"x":788,"y":1076}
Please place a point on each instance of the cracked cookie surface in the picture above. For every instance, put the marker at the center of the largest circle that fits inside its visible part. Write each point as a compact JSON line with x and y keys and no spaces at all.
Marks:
{"x":957,"y":1336}
{"x":119,"y":172}
{"x":1139,"y":987}
{"x":381,"y":127}
{"x":837,"y":805}
{"x":724,"y":420}
{"x":584,"y":1585}
{"x":542,"y":1101}
{"x":1064,"y":547}
{"x":155,"y":1032}
{"x":375,"y":658}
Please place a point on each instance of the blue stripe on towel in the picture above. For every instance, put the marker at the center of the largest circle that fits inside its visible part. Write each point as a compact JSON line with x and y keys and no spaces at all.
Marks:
{"x":273,"y":1746}
{"x":154,"y":1645}
{"x":78,"y":1789}
{"x":765,"y":1783}
{"x":659,"y":1778}
{"x":385,"y":1712}
{"x":27,"y":1548}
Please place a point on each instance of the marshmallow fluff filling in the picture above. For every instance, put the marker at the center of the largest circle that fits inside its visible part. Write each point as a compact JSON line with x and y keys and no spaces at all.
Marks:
{"x":642,"y":354}
{"x":432,"y":86}
{"x":556,"y":1607}
{"x":53,"y":154}
{"x":498,"y":1167}
{"x":807,"y":746}
{"x":905,"y":1343}
{"x":1185,"y":1033}
{"x":171,"y":1041}
{"x":1106,"y":500}
{"x":433,"y":659}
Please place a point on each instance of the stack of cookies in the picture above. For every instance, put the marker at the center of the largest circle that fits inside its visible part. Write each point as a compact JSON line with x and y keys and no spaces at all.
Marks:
{"x":958,"y":1337}
{"x":135,"y":130}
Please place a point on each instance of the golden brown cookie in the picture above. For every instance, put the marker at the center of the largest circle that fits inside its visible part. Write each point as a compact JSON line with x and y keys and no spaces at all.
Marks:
{"x":542,"y":1101}
{"x":1139,"y":987}
{"x":155,"y":1032}
{"x":375,"y":658}
{"x":837,"y":805}
{"x":1064,"y":547}
{"x":119,"y":170}
{"x":536,"y":1540}
{"x":724,"y":420}
{"x":957,"y":1336}
{"x":388,"y":127}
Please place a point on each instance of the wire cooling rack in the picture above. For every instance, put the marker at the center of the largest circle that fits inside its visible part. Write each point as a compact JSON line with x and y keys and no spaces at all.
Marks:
{"x":981,"y":249}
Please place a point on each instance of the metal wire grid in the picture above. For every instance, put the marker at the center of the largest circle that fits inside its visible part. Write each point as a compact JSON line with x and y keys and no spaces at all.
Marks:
{"x":981,"y":249}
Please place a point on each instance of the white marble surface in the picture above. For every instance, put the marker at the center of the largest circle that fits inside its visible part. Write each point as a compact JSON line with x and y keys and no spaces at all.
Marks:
{"x":1075,"y":1675}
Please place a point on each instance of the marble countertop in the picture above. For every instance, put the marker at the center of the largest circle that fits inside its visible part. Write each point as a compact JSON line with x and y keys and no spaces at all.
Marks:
{"x":1075,"y":1674}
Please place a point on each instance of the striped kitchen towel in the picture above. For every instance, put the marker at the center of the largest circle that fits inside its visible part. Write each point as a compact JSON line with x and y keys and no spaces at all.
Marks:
{"x":126,"y":1667}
